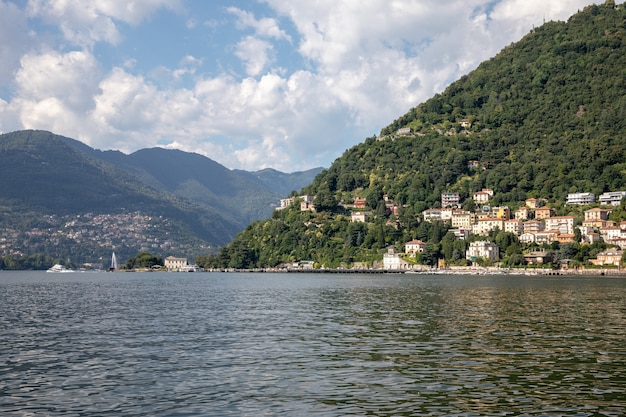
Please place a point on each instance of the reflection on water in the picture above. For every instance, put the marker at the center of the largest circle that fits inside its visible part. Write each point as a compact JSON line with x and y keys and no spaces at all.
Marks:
{"x":327,"y":345}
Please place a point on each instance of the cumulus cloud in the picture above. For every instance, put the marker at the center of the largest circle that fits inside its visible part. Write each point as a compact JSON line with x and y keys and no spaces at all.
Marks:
{"x":55,"y":90}
{"x":365,"y":64}
{"x":264,"y":27}
{"x":71,"y":77}
{"x":85,"y":22}
{"x":254,"y":52}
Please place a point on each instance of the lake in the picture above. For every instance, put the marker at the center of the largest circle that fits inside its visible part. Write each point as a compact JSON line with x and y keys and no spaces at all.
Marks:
{"x":219,"y":344}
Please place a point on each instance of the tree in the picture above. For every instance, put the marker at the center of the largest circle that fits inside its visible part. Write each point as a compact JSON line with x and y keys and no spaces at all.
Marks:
{"x":504,"y":240}
{"x":143,"y":260}
{"x":447,"y":246}
{"x":430,"y":255}
{"x":325,"y":201}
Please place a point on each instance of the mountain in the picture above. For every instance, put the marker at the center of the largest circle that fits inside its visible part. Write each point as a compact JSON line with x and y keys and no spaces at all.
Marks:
{"x":285,"y":184}
{"x":206,"y":204}
{"x":544,"y":118}
{"x":250,"y":195}
{"x":204,"y":181}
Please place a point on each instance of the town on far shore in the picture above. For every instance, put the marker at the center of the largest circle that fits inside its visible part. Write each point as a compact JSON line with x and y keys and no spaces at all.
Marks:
{"x":534,"y":223}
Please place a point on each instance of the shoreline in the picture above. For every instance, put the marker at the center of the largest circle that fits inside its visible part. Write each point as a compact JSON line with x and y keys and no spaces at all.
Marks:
{"x":443,"y":271}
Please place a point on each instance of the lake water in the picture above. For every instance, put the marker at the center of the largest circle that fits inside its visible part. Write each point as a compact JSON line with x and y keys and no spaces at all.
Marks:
{"x":211,"y":344}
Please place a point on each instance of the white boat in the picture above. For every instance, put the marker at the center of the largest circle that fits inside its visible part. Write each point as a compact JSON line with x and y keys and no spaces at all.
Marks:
{"x":59,"y":269}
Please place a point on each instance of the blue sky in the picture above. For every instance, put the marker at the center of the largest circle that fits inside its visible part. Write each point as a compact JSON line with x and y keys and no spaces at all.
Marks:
{"x":286,"y":84}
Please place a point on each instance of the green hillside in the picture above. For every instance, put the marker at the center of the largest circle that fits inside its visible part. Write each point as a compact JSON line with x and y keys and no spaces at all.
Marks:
{"x":47,"y":175}
{"x":548,"y":117}
{"x":544,"y":118}
{"x":61,"y":198}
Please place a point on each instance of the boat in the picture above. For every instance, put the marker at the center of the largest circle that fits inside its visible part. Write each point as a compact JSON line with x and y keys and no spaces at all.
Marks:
{"x":58,"y":268}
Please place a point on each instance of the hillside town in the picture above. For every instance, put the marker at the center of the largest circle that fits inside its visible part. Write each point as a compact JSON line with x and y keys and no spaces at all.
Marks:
{"x":102,"y":233}
{"x":534,"y":223}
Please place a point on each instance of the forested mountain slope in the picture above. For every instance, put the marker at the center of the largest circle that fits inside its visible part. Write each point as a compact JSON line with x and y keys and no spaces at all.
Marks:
{"x":46,"y":174}
{"x":544,"y":118}
{"x":547,"y":117}
{"x":204,"y":203}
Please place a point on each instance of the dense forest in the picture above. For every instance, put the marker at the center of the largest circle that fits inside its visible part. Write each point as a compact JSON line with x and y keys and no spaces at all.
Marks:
{"x":544,"y":118}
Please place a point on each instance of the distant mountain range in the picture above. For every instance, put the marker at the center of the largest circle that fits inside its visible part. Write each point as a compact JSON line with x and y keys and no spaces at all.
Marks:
{"x":47,"y":174}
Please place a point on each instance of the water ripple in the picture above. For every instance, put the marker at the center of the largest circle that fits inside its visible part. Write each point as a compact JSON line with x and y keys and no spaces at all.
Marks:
{"x":250,"y":345}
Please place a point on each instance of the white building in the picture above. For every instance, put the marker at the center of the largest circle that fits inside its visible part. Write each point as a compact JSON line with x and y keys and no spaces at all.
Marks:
{"x":564,"y":224}
{"x":462,"y":219}
{"x":286,"y":202}
{"x":522,"y":213}
{"x":581,"y":198}
{"x":547,"y":237}
{"x":446,"y":214}
{"x":532,"y":226}
{"x":484,"y":250}
{"x":484,"y":226}
{"x":432,"y":214}
{"x":450,"y":199}
{"x":175,"y":264}
{"x":612,"y":198}
{"x":528,"y":237}
{"x":462,"y":234}
{"x":359,"y":216}
{"x":391,"y":260}
{"x":513,"y":226}
{"x":483,"y":196}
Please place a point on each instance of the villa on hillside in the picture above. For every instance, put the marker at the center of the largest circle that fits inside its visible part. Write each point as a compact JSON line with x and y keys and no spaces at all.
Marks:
{"x":286,"y":202}
{"x":432,"y":214}
{"x":483,"y":196}
{"x":612,"y":198}
{"x":522,"y":213}
{"x":483,"y":250}
{"x":543,"y":212}
{"x":360,"y":216}
{"x":609,"y":257}
{"x":597,"y":214}
{"x":532,"y":203}
{"x":413,"y":247}
{"x":581,"y":198}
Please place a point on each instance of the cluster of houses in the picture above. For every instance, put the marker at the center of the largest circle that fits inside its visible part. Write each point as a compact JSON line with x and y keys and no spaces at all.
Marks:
{"x":532,"y":222}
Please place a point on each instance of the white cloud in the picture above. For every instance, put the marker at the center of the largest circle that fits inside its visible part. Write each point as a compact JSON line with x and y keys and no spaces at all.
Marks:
{"x":264,"y":27}
{"x":85,"y":22}
{"x":383,"y":57}
{"x":72,"y":78}
{"x":367,"y":63}
{"x":255,"y":53}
